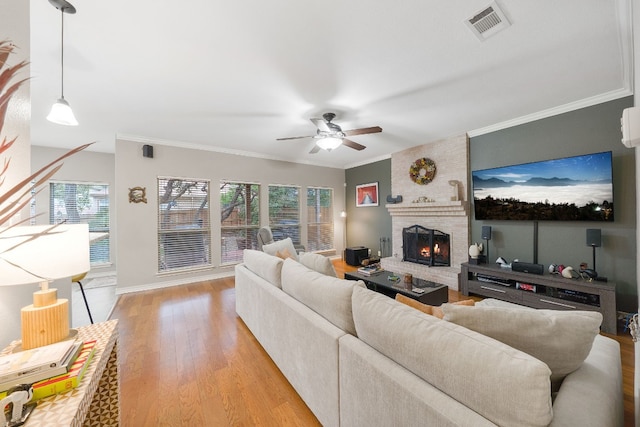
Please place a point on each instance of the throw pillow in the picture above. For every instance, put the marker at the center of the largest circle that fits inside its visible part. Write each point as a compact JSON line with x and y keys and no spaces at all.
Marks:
{"x":437,"y":310}
{"x":284,"y":254}
{"x":561,"y":339}
{"x":280,"y":245}
{"x":319,"y":263}
{"x":425,"y":308}
{"x":429,"y":309}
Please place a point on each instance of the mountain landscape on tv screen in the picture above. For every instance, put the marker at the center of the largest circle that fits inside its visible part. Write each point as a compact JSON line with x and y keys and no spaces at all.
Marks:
{"x":569,"y":189}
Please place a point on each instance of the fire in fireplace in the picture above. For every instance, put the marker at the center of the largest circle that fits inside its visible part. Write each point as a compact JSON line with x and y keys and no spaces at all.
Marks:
{"x":425,"y":246}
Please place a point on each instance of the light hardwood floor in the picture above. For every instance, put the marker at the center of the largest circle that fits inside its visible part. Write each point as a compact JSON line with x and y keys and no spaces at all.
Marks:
{"x":187,"y":359}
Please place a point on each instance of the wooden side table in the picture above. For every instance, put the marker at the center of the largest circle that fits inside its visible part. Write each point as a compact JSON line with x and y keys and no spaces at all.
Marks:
{"x":96,"y":401}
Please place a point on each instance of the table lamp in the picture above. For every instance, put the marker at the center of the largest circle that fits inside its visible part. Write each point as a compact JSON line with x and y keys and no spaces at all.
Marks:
{"x":40,"y":254}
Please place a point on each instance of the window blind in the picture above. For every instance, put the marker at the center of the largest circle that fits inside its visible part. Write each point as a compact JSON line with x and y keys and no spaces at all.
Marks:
{"x":83,"y":203}
{"x":239,"y":219}
{"x":319,"y":219}
{"x":284,"y":212}
{"x":184,"y":230}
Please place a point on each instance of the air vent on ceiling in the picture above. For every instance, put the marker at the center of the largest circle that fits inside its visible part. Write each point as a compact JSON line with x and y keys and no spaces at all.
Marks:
{"x":487,"y":22}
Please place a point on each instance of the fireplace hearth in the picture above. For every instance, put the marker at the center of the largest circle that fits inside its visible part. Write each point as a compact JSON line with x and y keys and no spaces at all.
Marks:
{"x":425,"y":246}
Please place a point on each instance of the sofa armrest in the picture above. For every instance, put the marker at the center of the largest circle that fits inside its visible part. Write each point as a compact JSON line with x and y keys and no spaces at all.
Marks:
{"x":592,"y":396}
{"x":302,"y":343}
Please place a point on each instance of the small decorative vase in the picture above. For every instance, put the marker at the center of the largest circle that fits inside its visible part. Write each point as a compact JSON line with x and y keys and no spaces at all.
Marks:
{"x":408,"y":281}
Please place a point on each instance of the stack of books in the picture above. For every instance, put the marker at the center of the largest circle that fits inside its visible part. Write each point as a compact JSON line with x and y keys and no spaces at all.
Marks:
{"x":51,"y":369}
{"x":370,"y":269}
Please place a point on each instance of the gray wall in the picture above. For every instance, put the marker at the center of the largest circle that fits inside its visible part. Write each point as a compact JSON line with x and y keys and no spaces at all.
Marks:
{"x":15,"y":25}
{"x":137,"y":222}
{"x":366,"y":225}
{"x":589,"y":130}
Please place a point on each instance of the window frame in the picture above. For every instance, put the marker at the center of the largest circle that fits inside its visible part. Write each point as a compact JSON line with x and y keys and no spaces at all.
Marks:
{"x":312,"y":244}
{"x":282,"y":231}
{"x":189,"y":228}
{"x":102,"y":246}
{"x":246,"y":234}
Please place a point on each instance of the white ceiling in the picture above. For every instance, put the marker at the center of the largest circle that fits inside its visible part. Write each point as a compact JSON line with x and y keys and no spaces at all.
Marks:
{"x":234,"y":76}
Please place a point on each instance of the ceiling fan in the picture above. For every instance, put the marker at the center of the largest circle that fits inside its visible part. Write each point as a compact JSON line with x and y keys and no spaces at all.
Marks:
{"x":330,"y":136}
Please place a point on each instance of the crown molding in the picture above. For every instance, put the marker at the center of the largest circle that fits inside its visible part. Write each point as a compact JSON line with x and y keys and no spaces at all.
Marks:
{"x":572,"y":106}
{"x":215,"y":149}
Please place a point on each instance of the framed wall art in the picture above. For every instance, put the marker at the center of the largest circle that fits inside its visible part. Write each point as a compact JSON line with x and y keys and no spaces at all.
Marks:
{"x":367,"y":195}
{"x":138,"y":195}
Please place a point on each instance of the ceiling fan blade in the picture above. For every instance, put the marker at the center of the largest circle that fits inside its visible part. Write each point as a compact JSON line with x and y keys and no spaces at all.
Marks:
{"x":362,"y":131}
{"x":294,"y":137}
{"x":315,"y":149}
{"x":321,"y":125}
{"x":351,"y":144}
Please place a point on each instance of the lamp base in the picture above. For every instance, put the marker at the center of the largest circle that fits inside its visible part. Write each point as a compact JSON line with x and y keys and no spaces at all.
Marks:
{"x":44,"y":325}
{"x":73,"y":334}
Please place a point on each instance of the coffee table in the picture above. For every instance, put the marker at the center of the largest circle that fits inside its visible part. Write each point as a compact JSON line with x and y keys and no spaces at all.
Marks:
{"x":382,"y":282}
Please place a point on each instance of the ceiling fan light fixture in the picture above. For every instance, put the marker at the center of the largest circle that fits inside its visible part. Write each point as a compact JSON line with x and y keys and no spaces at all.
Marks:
{"x":62,"y":114}
{"x":329,"y":143}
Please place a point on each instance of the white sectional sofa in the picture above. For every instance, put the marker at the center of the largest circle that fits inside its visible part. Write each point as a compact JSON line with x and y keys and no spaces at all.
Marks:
{"x":358,"y":358}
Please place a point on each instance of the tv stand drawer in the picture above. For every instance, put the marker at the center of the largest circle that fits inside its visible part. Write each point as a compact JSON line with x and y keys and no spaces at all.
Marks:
{"x":547,"y":302}
{"x":490,"y":290}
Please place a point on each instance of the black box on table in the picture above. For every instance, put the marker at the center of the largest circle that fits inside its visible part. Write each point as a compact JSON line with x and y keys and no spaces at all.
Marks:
{"x":355,"y":255}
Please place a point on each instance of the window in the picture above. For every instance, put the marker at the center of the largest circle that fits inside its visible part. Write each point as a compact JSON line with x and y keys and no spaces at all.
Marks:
{"x":184,"y":231}
{"x":83,"y":203}
{"x":319,"y":219}
{"x":284,"y":212}
{"x":239,"y":219}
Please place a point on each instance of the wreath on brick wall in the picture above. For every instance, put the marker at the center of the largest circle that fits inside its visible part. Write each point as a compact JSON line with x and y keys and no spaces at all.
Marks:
{"x":422,"y":171}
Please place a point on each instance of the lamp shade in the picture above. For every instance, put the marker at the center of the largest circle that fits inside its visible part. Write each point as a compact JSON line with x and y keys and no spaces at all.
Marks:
{"x":329,"y":143}
{"x":32,"y":254}
{"x":62,"y":114}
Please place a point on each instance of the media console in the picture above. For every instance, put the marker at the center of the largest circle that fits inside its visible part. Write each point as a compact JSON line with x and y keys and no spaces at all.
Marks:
{"x":541,"y":291}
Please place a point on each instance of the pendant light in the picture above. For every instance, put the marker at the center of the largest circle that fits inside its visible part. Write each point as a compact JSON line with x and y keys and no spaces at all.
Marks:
{"x":61,"y":112}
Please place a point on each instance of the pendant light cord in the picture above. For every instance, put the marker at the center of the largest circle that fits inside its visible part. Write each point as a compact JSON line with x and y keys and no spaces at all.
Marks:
{"x":62,"y":54}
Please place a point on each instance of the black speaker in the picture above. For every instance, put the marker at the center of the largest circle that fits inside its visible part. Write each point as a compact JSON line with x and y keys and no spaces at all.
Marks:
{"x":391,"y":199}
{"x":486,"y":232}
{"x":355,"y":255}
{"x":525,"y":267}
{"x":147,"y":151}
{"x":594,"y":237}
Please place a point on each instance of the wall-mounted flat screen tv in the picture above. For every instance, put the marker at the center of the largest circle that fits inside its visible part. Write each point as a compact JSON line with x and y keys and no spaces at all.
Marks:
{"x":578,"y":188}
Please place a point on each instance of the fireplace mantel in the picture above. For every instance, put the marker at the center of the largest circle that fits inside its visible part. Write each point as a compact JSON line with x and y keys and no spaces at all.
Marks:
{"x":453,"y":208}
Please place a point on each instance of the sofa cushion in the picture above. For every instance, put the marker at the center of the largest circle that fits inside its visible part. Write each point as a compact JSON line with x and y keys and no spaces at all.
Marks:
{"x":432,"y":310}
{"x":328,"y":296}
{"x":561,"y":339}
{"x":503,"y":384}
{"x":264,"y":265}
{"x":280,"y":246}
{"x":319,"y":263}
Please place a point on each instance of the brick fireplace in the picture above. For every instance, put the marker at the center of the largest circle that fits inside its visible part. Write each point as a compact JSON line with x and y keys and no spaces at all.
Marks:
{"x":431,"y":206}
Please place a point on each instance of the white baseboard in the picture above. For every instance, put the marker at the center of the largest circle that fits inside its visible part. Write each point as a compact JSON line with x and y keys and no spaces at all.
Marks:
{"x":169,"y":283}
